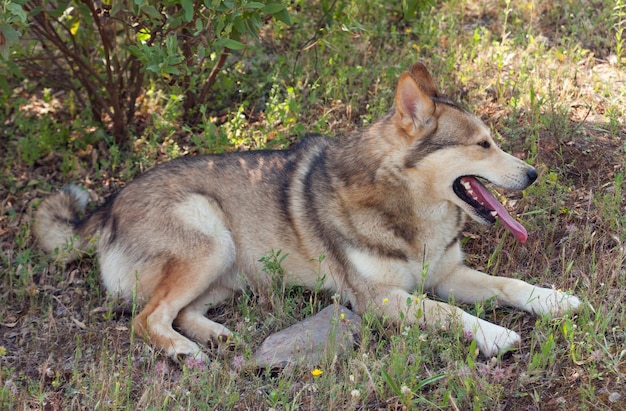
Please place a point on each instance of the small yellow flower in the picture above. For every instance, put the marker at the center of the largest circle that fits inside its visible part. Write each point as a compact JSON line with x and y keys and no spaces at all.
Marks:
{"x":342,"y":316}
{"x":416,"y":300}
{"x":317,"y":372}
{"x":385,"y":300}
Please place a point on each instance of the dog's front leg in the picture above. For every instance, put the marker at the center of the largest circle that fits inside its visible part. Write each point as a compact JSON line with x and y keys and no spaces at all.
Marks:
{"x":466,"y":285}
{"x":491,"y":339}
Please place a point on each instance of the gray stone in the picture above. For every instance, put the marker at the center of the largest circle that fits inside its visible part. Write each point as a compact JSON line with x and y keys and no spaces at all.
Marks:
{"x":329,"y":332}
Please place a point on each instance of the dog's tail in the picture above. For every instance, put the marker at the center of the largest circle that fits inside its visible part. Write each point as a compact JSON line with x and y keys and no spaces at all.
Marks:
{"x":56,"y":222}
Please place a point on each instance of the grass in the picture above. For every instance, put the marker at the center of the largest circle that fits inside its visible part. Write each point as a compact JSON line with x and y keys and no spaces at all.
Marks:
{"x":548,"y":77}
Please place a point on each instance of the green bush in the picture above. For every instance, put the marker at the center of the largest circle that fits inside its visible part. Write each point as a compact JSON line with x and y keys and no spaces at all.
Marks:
{"x":105,"y":53}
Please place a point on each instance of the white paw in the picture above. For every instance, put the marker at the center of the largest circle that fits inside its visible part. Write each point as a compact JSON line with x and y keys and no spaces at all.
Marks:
{"x":182,"y":351}
{"x":553,"y":302}
{"x":491,"y":339}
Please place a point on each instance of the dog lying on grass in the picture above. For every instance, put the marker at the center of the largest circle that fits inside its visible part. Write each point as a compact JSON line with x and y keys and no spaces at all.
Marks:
{"x":385,"y":206}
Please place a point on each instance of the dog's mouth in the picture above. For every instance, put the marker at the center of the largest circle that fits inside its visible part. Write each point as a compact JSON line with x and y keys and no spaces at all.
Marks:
{"x":486,"y":206}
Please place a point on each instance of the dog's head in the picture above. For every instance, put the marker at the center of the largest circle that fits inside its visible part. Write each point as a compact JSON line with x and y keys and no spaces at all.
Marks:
{"x":453,"y":150}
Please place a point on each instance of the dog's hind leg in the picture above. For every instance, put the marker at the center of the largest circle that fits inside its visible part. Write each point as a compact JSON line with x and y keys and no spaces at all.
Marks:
{"x":192,"y":321}
{"x":182,"y":289}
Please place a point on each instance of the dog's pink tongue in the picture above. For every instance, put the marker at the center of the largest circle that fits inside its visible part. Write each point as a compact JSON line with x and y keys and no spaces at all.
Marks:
{"x":485,"y":197}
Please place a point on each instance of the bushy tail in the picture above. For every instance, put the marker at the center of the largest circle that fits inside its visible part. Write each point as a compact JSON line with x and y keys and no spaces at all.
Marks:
{"x":55,"y":222}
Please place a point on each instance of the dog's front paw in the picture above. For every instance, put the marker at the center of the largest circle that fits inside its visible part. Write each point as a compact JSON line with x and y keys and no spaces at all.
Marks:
{"x":552,"y":302}
{"x":491,"y":339}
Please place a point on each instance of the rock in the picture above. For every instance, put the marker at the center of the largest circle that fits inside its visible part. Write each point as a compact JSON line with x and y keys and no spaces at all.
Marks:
{"x":329,"y":332}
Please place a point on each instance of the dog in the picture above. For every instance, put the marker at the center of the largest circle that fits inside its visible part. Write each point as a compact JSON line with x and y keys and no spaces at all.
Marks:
{"x":385,"y":206}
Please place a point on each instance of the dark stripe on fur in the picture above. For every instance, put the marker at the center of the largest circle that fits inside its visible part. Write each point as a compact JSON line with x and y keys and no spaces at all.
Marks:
{"x":459,"y":223}
{"x":97,"y":219}
{"x":430,"y":144}
{"x":425,"y":147}
{"x":449,"y":103}
{"x":316,"y":175}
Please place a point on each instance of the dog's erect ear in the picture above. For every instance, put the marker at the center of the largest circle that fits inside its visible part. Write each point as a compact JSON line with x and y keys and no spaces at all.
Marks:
{"x":413,"y":106}
{"x":421,"y":74}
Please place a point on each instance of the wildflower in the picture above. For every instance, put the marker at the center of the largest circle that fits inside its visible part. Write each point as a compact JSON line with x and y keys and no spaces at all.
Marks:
{"x":498,"y":374}
{"x":317,"y":372}
{"x":238,"y":361}
{"x":195,"y":364}
{"x":405,"y":390}
{"x":385,"y":300}
{"x":351,"y":378}
{"x":355,"y":394}
{"x":161,"y":368}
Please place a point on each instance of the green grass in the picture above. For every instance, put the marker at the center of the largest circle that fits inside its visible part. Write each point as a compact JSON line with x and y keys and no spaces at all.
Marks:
{"x":546,"y":76}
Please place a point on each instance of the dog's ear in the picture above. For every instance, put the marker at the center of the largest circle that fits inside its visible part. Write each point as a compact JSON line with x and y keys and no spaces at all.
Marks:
{"x":414,"y":107}
{"x":424,"y":79}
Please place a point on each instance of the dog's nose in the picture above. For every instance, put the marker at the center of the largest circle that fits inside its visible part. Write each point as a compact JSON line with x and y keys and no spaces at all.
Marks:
{"x":531,"y":174}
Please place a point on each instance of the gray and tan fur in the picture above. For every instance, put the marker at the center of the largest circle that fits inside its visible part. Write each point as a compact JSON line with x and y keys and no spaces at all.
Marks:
{"x":380,"y":205}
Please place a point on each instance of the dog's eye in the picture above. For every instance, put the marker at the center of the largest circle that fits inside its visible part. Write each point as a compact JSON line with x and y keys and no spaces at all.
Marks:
{"x":485,"y":144}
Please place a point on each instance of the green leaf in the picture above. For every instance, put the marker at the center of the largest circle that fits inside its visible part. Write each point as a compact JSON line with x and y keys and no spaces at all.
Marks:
{"x":254,"y":5}
{"x":283,"y":16}
{"x":212,"y":4}
{"x":188,"y":9}
{"x":4,"y":85}
{"x":199,"y":26}
{"x":218,"y":24}
{"x":153,"y":67}
{"x":166,"y":70}
{"x":229,"y":43}
{"x":274,"y":8}
{"x":429,"y":381}
{"x":11,"y":35}
{"x":239,"y":25}
{"x":17,"y":10}
{"x":150,"y":11}
{"x":392,"y":384}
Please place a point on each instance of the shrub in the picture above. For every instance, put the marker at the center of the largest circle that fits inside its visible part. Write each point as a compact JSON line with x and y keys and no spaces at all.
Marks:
{"x":104,"y":52}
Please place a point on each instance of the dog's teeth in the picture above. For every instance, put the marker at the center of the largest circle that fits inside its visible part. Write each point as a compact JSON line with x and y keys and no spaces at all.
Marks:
{"x":494,"y":213}
{"x":467,"y":185}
